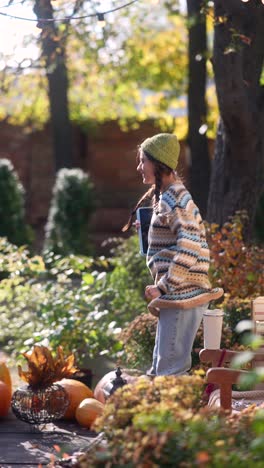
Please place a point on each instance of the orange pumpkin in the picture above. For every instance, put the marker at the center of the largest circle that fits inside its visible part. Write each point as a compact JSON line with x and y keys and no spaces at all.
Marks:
{"x":5,"y":375}
{"x":5,"y":399}
{"x":77,"y":392}
{"x":106,"y":382}
{"x":87,"y":411}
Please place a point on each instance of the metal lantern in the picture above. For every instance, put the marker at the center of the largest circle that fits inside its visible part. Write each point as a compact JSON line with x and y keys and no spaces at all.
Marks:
{"x":40,"y":405}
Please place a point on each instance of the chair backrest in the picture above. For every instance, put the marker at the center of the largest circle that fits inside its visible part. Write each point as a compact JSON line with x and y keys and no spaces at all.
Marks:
{"x":224,"y":378}
{"x":216,"y":357}
{"x":213,"y":356}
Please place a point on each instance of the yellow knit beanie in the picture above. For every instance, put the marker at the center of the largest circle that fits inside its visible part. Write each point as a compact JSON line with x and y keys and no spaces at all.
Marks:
{"x":163,"y":147}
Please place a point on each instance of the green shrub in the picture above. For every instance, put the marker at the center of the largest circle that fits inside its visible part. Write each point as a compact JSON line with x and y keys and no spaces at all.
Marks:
{"x":72,"y":318}
{"x":71,"y":266}
{"x":17,"y":262}
{"x":54,"y":309}
{"x":20,"y":280}
{"x":87,"y":315}
{"x":161,"y":423}
{"x":79,"y":302}
{"x":71,"y":208}
{"x":12,"y":206}
{"x":20,"y":323}
{"x":127,"y":281}
{"x":126,"y":254}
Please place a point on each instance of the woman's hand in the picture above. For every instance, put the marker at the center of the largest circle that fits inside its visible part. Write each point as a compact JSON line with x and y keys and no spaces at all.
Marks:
{"x":151,"y":292}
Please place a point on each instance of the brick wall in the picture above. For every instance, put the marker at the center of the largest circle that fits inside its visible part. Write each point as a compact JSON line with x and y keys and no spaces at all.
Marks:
{"x":106,"y":152}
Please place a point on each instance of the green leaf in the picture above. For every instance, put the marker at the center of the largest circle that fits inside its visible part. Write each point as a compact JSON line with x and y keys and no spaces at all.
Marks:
{"x":256,"y":342}
{"x":248,"y":380}
{"x":117,"y":346}
{"x":244,"y":325}
{"x":258,"y":424}
{"x":88,"y":279}
{"x":251,"y":276}
{"x":241,"y":359}
{"x":260,"y":373}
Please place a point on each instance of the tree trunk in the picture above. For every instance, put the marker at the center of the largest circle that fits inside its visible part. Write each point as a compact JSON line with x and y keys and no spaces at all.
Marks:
{"x":197,"y":109}
{"x":237,"y":172}
{"x":53,"y":49}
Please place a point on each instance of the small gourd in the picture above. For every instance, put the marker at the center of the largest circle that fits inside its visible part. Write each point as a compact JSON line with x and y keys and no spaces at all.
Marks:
{"x":87,"y":412}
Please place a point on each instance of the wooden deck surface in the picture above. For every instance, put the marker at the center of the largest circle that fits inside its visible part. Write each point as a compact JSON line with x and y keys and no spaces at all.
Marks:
{"x":22,"y":445}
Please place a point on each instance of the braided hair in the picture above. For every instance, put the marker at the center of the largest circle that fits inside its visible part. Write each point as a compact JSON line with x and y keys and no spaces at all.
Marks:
{"x":153,"y":193}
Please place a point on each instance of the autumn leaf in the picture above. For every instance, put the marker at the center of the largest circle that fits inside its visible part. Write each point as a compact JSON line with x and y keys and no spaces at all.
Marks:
{"x":44,"y":369}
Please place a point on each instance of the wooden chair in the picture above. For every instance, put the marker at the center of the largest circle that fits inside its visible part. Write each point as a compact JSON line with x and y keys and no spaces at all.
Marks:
{"x":224,"y":378}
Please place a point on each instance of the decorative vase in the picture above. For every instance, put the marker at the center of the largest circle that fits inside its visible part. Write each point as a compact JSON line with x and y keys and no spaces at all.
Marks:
{"x":40,"y":405}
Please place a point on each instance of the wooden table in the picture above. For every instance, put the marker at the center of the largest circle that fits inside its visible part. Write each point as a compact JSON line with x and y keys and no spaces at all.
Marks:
{"x":24,"y":445}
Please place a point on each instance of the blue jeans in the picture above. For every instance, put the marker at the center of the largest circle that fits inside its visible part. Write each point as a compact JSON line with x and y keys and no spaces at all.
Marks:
{"x":175,"y":335}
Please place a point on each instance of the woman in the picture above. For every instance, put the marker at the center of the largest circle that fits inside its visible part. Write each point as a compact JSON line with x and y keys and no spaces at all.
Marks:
{"x":178,"y":257}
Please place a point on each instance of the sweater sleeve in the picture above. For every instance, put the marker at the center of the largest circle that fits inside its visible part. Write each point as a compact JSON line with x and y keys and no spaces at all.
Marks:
{"x":186,"y":224}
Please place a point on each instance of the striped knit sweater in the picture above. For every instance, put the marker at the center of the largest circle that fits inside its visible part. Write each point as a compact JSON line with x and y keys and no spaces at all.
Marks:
{"x":178,"y":254}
